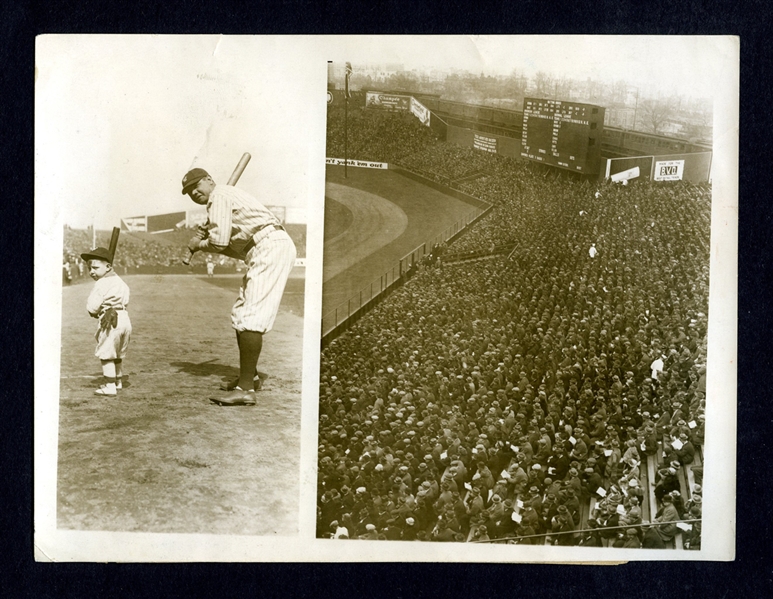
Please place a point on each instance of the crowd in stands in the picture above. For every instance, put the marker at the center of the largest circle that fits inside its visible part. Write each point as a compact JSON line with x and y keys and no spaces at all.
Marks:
{"x":375,"y":135}
{"x":447,"y":162}
{"x":555,"y":395}
{"x":138,"y":252}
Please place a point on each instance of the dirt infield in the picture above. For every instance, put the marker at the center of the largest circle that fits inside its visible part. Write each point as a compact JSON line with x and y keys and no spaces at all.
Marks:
{"x":160,"y":457}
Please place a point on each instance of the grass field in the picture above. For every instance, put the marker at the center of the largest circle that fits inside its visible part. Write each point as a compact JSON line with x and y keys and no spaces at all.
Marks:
{"x":160,"y":457}
{"x":427,"y":211}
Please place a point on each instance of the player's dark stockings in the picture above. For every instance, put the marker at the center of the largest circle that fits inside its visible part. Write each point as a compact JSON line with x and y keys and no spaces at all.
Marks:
{"x":250,"y":345}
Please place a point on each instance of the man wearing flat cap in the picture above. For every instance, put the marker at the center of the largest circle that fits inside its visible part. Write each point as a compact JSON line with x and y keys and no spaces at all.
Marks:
{"x":241,"y":227}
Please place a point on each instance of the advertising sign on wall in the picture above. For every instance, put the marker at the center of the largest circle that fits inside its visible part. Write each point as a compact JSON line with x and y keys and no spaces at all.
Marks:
{"x":668,"y":170}
{"x":487,"y":144}
{"x":420,"y":111}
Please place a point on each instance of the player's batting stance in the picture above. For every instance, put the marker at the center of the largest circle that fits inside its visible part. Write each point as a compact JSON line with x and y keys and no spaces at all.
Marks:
{"x":241,"y":227}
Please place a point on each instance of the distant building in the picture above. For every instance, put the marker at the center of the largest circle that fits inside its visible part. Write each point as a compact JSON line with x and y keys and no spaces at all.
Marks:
{"x":622,"y":118}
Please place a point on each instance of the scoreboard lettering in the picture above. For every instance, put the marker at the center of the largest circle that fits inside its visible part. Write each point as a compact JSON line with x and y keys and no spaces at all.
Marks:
{"x":563,"y":134}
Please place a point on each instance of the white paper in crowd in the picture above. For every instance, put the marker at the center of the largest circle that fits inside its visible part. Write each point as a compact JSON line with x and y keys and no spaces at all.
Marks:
{"x":677,"y":444}
{"x":692,"y":424}
{"x":516,"y":517}
{"x":443,"y":455}
{"x":468,"y":486}
{"x":601,"y":491}
{"x":504,"y":474}
{"x":490,"y":494}
{"x":519,"y":503}
{"x":620,"y":509}
{"x":572,"y":440}
{"x":514,"y":448}
{"x":607,"y":452}
{"x":684,"y":526}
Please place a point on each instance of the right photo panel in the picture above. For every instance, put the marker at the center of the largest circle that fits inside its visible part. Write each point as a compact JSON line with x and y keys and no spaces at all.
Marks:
{"x":516,"y":296}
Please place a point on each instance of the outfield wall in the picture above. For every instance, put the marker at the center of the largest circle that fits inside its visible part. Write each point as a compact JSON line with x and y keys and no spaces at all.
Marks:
{"x":693,"y":167}
{"x":487,"y":142}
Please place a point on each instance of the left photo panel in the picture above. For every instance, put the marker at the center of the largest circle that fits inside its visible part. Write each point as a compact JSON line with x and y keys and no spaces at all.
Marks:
{"x":175,"y":180}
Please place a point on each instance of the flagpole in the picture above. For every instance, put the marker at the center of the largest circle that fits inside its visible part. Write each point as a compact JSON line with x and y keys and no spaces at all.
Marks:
{"x":348,"y":72}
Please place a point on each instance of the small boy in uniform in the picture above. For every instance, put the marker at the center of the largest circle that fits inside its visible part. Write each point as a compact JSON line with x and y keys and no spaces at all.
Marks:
{"x":108,"y":302}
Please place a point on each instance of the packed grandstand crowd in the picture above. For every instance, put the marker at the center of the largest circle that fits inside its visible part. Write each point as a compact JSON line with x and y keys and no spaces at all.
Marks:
{"x":146,"y":252}
{"x":553,"y":394}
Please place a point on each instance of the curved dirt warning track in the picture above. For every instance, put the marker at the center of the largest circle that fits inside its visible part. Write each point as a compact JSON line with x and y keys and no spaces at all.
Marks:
{"x":399,"y":214}
{"x":375,"y":223}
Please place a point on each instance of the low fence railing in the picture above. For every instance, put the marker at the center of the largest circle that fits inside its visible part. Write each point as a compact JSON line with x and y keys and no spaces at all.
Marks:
{"x":336,"y":319}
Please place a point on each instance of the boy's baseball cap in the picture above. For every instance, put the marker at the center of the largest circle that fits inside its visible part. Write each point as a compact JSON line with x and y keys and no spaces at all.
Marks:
{"x":99,"y":253}
{"x":192,"y":177}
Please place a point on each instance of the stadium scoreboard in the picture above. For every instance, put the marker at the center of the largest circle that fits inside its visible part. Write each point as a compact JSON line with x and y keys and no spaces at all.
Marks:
{"x":563,"y":134}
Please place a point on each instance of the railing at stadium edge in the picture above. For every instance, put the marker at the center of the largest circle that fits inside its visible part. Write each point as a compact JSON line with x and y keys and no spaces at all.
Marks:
{"x":586,"y":530}
{"x":333,"y":320}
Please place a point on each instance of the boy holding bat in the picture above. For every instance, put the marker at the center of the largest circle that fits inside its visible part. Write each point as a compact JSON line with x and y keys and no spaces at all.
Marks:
{"x":108,"y":302}
{"x":241,"y":227}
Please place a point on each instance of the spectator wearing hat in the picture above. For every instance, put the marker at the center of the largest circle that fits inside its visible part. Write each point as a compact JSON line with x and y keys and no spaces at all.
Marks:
{"x":678,"y":501}
{"x":692,"y":539}
{"x":481,"y":534}
{"x":668,"y":516}
{"x":632,"y":539}
{"x":534,"y":499}
{"x":685,"y":454}
{"x":650,"y":537}
{"x":561,"y":530}
{"x":608,"y":518}
{"x":474,"y":503}
{"x":484,"y":477}
{"x":668,"y":482}
{"x":409,"y":532}
{"x":442,"y":534}
{"x":371,"y":533}
{"x":591,"y":537}
{"x":695,"y":501}
{"x":650,"y":440}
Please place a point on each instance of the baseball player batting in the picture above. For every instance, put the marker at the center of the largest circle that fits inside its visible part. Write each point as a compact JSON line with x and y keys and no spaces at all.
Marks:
{"x":241,"y":227}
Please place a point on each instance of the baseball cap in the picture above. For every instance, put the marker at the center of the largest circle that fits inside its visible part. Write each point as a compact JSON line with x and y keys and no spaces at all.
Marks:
{"x":192,"y":177}
{"x":98,"y":253}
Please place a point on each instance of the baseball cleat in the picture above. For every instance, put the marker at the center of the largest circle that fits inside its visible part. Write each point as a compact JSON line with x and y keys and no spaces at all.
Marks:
{"x":234,"y":383}
{"x":237,"y":397}
{"x":106,"y":390}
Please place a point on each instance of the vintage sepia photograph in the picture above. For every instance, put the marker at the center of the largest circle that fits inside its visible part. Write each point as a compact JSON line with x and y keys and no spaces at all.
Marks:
{"x":178,"y":173}
{"x":385,"y":298}
{"x":516,"y":315}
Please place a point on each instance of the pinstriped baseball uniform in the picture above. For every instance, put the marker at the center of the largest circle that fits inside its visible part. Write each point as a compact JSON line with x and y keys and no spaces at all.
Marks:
{"x":236,"y":218}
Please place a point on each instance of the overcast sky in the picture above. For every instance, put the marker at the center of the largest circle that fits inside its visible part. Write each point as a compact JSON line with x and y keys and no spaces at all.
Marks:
{"x":120,"y":119}
{"x":669,"y":64}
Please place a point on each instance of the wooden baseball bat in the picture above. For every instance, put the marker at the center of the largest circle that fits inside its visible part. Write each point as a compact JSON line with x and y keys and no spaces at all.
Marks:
{"x":114,"y":243}
{"x":245,"y":159}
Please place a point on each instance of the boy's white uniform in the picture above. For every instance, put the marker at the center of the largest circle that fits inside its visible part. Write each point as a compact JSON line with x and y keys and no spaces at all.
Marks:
{"x":111,"y":292}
